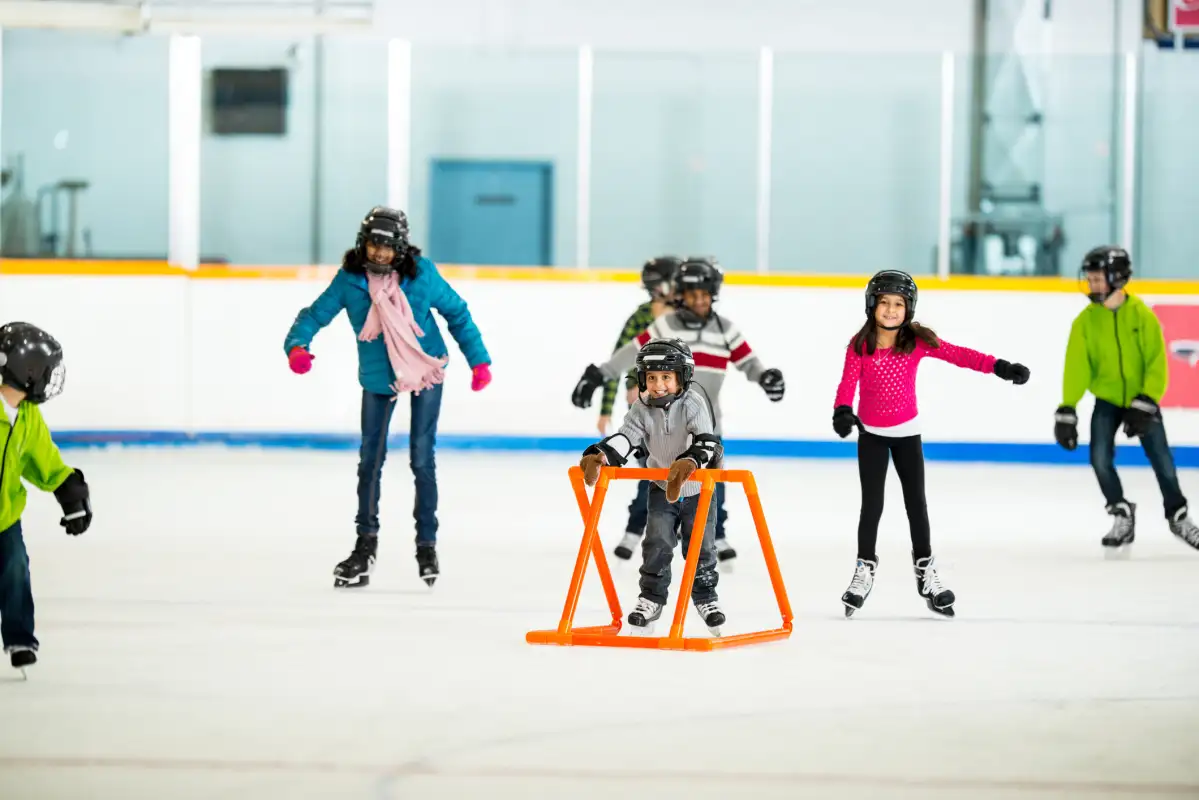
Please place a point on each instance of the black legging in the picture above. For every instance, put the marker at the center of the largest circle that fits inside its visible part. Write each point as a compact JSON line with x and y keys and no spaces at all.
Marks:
{"x":873,"y":452}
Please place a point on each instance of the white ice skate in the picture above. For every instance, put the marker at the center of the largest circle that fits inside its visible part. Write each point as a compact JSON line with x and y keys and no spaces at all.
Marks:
{"x":725,"y":555}
{"x":1185,"y":529}
{"x":712,"y":616}
{"x":628,"y":546}
{"x":1124,"y":530}
{"x":859,"y":587}
{"x":643,"y":616}
{"x":928,"y":583}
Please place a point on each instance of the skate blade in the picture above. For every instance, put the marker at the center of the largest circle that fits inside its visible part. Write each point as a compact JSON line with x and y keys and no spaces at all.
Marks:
{"x":429,"y":580}
{"x":355,"y":583}
{"x":1121,"y":553}
{"x":643,"y":631}
{"x":714,"y":630}
{"x":849,"y":610}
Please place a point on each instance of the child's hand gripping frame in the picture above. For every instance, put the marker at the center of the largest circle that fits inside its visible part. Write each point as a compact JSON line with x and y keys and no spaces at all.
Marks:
{"x":608,"y":635}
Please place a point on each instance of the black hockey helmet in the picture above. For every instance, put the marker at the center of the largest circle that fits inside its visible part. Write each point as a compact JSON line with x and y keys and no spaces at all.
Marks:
{"x":1115,"y":264}
{"x":665,"y":355}
{"x":31,"y":361}
{"x":892,"y":281}
{"x":700,"y":273}
{"x":657,"y":275}
{"x":386,"y":227}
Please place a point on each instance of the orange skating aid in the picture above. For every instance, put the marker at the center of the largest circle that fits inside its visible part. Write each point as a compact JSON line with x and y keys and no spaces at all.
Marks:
{"x":609,"y":635}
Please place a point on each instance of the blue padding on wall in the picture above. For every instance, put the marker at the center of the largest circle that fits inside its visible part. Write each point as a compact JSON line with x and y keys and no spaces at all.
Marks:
{"x":989,"y":452}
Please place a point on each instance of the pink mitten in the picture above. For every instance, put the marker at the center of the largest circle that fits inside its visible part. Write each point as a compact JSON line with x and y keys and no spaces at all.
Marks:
{"x":300,"y":360}
{"x":481,"y":376}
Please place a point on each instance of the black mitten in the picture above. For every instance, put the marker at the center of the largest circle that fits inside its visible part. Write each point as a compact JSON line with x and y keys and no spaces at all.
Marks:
{"x":1140,"y":416}
{"x":75,"y":499}
{"x":1016,"y":373}
{"x":584,"y":390}
{"x":844,"y":420}
{"x":771,"y":382}
{"x":1065,"y":427}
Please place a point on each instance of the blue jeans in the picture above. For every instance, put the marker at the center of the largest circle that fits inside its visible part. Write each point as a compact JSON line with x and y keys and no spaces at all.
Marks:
{"x":16,"y":591}
{"x":1105,"y":423}
{"x":422,"y":440}
{"x":639,"y":508}
{"x":666,"y":522}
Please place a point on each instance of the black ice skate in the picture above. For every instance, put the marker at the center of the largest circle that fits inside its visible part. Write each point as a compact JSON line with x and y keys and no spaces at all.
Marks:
{"x":1182,"y":527}
{"x":1124,"y":529}
{"x":628,"y":544}
{"x":643,"y":615}
{"x":355,"y":571}
{"x":712,"y":616}
{"x":725,"y":554}
{"x":928,"y":584}
{"x":860,"y":586}
{"x":426,"y":563}
{"x":22,"y":657}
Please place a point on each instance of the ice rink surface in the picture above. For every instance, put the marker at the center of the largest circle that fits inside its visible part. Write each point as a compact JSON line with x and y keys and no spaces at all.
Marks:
{"x":193,"y":645}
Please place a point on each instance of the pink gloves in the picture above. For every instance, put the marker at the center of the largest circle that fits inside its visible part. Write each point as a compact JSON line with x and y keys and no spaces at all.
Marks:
{"x":300,"y":360}
{"x":480,"y":377}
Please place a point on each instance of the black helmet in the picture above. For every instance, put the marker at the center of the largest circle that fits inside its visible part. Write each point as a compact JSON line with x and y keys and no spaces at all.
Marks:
{"x":700,"y":273}
{"x":31,"y":360}
{"x":657,"y":276}
{"x":1116,"y":267}
{"x":665,"y":355}
{"x":387,"y":227}
{"x":892,"y":281}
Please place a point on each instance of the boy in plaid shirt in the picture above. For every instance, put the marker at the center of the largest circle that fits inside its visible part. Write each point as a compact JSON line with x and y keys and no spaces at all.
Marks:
{"x":657,"y":276}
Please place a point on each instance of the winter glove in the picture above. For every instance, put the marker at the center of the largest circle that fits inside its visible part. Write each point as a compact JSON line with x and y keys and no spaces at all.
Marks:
{"x":480,"y":377}
{"x":844,"y":420}
{"x":772,"y":382}
{"x":1016,"y":373}
{"x":592,"y":379}
{"x":1140,"y":416}
{"x":75,"y":499}
{"x":592,"y":463}
{"x":1065,"y":428}
{"x":300,"y":360}
{"x":680,"y":471}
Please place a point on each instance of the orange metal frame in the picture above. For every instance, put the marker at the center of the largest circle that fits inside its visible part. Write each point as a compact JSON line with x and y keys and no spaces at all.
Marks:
{"x":590,"y":547}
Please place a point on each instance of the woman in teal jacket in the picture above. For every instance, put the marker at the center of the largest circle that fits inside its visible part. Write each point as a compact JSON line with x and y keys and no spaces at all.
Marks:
{"x":382,"y":247}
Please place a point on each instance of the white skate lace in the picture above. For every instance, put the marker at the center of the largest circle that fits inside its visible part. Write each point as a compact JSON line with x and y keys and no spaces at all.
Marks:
{"x":931,"y":581}
{"x":1120,"y":527}
{"x":1187,"y":531}
{"x":862,"y":580}
{"x":645,"y":607}
{"x":705,"y":609}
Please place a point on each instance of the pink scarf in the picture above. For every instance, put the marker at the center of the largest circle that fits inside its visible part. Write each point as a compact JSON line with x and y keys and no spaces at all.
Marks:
{"x":392,"y":316}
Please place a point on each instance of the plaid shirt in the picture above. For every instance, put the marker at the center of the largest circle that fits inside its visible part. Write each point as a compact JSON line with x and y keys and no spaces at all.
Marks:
{"x":641,"y":319}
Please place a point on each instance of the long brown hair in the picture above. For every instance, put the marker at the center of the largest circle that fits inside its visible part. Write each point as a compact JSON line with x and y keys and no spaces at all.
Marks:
{"x":865,"y":341}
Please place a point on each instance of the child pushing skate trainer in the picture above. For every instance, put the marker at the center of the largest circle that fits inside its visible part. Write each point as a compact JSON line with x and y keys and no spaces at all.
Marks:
{"x":31,"y":372}
{"x":671,"y":427}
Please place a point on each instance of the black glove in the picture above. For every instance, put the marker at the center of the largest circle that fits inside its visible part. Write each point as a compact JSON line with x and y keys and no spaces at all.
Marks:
{"x":584,"y":390}
{"x":1016,"y":373}
{"x":705,"y":450}
{"x":772,"y":382}
{"x":75,"y":500}
{"x":1065,"y":427}
{"x":1140,"y":416}
{"x":844,"y":421}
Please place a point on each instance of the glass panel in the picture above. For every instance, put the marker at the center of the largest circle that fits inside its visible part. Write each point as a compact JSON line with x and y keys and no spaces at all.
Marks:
{"x":674,"y":158}
{"x":1169,"y":161}
{"x":496,"y":106}
{"x":856,"y":157}
{"x":84,"y":128}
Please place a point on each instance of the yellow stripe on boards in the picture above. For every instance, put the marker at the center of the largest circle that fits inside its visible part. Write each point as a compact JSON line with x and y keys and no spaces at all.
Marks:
{"x":968,"y":283}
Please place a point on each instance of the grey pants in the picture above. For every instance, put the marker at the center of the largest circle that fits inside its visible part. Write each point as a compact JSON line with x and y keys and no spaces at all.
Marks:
{"x":657,"y":548}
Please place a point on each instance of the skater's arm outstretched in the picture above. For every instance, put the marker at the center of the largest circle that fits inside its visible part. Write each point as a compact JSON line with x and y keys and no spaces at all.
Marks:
{"x":308,"y":322}
{"x":615,"y":450}
{"x":620,"y":362}
{"x":45,"y":470}
{"x":457,"y":316}
{"x":635,"y":324}
{"x":966,"y":358}
{"x":742,"y":356}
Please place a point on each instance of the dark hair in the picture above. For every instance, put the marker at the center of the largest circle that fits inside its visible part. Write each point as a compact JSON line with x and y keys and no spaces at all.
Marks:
{"x":353,"y":262}
{"x":865,"y":341}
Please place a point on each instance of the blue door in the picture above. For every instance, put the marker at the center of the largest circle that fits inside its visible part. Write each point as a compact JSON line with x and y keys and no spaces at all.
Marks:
{"x":491,"y":212}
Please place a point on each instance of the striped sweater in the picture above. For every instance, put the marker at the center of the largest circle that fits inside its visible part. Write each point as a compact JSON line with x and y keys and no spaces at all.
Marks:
{"x":715,"y":344}
{"x":666,"y":433}
{"x":640,"y":319}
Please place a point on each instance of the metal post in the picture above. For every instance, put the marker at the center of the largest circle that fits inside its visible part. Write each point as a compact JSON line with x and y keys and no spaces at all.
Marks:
{"x":184,"y":103}
{"x":1128,"y":168}
{"x":399,"y":122}
{"x":765,"y":152}
{"x":945,"y":206}
{"x":583,"y":157}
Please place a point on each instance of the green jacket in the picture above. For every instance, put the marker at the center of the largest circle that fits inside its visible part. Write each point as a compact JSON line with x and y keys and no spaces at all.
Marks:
{"x":1117,"y":355}
{"x":26,"y":451}
{"x":637,"y":322}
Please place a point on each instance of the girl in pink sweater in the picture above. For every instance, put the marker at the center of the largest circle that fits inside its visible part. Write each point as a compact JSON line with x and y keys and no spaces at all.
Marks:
{"x":882,"y":359}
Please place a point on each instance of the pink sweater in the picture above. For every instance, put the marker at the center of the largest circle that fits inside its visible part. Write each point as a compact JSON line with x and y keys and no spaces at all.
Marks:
{"x":888,"y":380}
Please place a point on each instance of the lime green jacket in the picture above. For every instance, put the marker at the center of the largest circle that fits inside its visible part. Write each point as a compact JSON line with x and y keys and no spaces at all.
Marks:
{"x":1117,"y":355}
{"x":26,"y":451}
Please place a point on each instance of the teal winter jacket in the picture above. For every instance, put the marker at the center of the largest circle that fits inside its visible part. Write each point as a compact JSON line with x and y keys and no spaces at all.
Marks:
{"x":426,"y":292}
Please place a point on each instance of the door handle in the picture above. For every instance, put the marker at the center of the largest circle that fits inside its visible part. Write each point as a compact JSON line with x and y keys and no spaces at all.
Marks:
{"x":494,"y":200}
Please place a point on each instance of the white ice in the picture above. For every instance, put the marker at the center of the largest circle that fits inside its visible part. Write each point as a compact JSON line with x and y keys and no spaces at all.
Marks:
{"x":193,"y":645}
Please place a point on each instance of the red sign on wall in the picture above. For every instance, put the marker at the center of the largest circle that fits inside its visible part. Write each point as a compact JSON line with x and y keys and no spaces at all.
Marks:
{"x":1184,"y":15}
{"x":1180,"y":324}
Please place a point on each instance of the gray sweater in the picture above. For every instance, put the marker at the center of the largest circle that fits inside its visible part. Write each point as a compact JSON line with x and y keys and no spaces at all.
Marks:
{"x":716,"y":345}
{"x":665,"y":433}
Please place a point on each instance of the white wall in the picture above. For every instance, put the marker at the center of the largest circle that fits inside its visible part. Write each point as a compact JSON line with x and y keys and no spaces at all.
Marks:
{"x":207,"y":355}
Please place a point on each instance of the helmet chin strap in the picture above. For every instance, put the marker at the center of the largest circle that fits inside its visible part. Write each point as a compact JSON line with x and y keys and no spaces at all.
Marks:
{"x":891,"y":327}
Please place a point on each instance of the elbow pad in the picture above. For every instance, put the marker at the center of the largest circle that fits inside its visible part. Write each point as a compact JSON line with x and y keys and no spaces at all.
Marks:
{"x":616,"y":449}
{"x":705,"y":449}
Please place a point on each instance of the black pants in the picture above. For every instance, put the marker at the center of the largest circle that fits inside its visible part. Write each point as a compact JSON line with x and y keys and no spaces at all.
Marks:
{"x":1105,"y":422}
{"x":874,"y":452}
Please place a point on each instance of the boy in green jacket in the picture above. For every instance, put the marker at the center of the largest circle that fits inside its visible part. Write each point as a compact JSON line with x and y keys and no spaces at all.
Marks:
{"x":31,"y":372}
{"x":1118,"y":352}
